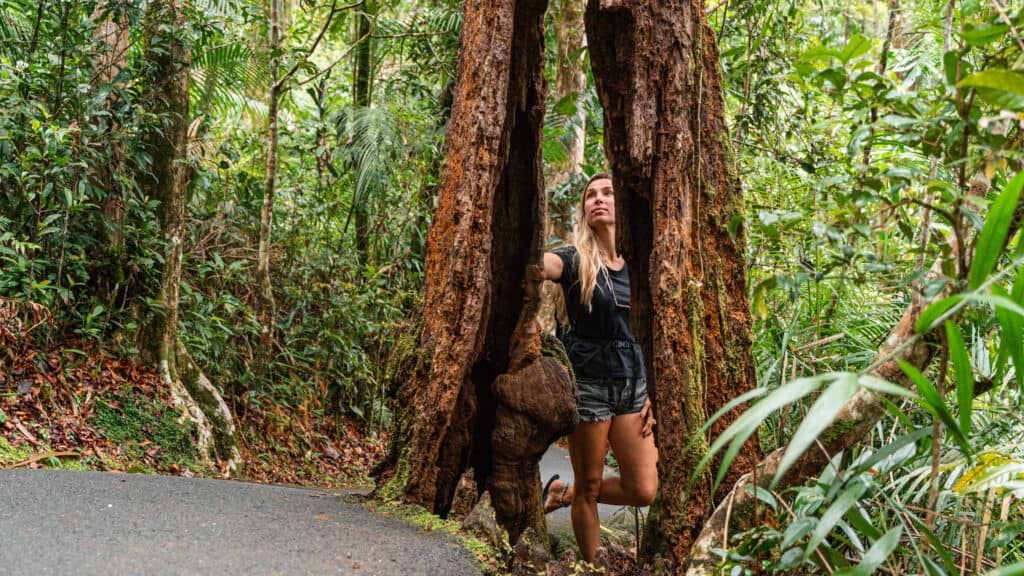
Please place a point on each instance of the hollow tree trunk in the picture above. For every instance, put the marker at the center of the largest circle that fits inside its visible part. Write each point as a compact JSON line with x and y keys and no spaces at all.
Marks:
{"x":681,"y":230}
{"x":168,"y":58}
{"x":472,"y":378}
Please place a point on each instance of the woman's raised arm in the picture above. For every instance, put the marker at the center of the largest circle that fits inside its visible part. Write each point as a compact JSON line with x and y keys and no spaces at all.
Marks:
{"x":552,"y":267}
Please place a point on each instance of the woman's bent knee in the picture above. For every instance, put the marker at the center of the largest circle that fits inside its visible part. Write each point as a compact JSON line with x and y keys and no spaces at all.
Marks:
{"x":588,"y":490}
{"x":643,"y":493}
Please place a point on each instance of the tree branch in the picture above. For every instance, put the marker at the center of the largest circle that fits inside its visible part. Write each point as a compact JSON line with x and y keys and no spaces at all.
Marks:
{"x":333,"y":64}
{"x":316,"y":42}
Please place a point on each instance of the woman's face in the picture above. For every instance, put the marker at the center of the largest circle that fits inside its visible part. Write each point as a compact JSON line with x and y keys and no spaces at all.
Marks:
{"x":599,"y":202}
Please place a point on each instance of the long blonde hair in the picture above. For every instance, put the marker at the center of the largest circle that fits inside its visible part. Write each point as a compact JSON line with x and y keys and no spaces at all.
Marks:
{"x":588,"y":254}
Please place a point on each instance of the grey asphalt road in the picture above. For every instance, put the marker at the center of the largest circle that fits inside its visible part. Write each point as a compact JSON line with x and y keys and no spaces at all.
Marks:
{"x":70,"y":523}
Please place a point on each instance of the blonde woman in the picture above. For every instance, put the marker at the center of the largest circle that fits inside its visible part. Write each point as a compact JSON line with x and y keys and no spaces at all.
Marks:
{"x":613,"y":405}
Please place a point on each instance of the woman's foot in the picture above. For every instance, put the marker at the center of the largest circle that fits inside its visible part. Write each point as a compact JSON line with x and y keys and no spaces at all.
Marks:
{"x":558,"y":496}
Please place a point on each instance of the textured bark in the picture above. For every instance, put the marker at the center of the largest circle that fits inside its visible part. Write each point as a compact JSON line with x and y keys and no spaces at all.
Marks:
{"x":264,"y":287}
{"x":680,"y":227}
{"x":480,"y":377}
{"x":166,"y":183}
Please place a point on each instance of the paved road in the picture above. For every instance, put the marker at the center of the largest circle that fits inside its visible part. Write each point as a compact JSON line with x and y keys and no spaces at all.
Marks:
{"x":83,"y":523}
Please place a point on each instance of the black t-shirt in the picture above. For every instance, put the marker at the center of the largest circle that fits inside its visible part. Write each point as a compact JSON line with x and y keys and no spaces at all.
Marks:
{"x":600,"y":341}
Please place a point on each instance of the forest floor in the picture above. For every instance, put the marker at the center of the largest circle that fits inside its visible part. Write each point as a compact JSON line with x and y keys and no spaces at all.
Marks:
{"x":76,"y":407}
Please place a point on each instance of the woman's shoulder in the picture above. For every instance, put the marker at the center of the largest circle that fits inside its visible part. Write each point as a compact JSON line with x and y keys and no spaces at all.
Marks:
{"x":568,"y":255}
{"x":565,"y":250}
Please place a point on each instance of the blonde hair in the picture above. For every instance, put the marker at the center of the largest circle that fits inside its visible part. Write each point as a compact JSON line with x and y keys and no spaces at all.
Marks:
{"x":588,"y":255}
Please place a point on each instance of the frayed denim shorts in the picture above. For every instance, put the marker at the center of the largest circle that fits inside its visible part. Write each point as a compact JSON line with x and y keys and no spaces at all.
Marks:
{"x":602,"y":398}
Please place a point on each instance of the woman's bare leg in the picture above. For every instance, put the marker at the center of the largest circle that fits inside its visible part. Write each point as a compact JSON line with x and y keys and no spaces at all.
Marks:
{"x":638,"y":466}
{"x":587,"y":448}
{"x":637,"y":483}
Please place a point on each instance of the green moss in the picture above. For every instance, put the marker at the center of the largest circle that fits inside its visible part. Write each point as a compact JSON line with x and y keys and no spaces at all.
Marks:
{"x":838,"y":429}
{"x":694,"y":405}
{"x":552,"y":348}
{"x":723,"y":299}
{"x":487,"y":556}
{"x":392,"y":490}
{"x":695,"y":391}
{"x":10,"y":455}
{"x":130,"y":418}
{"x":407,"y":360}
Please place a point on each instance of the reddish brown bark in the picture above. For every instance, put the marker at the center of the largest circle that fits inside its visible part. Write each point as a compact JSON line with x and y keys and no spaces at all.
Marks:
{"x":480,"y":352}
{"x":681,"y":229}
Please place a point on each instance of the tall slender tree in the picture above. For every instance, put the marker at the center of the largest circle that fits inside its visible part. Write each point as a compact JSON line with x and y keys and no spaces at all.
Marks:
{"x":111,"y":36}
{"x":167,"y":55}
{"x":264,"y":288}
{"x":570,"y":82}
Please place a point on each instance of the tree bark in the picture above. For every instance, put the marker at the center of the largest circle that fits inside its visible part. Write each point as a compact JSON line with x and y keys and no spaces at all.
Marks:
{"x":168,"y":57}
{"x":476,"y":392}
{"x":265,"y":291}
{"x":681,"y":229}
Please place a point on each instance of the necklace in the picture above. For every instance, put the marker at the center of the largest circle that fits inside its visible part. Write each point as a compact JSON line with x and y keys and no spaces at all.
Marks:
{"x":611,"y":288}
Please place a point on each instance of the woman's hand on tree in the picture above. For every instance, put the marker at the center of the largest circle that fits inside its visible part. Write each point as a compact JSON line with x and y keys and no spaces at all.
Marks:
{"x":647,"y":416}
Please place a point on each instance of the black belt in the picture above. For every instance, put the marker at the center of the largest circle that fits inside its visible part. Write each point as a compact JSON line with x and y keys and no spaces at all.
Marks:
{"x":611,"y":342}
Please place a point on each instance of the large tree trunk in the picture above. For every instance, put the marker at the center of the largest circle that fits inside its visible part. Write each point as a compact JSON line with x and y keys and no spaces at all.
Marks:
{"x":473,"y":377}
{"x":681,"y":230}
{"x":168,"y":57}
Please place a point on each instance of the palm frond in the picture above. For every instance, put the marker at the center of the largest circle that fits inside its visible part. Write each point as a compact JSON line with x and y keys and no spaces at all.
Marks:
{"x":225,"y":76}
{"x":14,"y":29}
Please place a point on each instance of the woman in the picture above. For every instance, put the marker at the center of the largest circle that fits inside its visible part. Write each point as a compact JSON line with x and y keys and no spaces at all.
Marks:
{"x":613,"y":404}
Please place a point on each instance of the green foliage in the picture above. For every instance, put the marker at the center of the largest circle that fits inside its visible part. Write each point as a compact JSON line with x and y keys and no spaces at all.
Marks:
{"x":79,"y":236}
{"x":859,"y":176}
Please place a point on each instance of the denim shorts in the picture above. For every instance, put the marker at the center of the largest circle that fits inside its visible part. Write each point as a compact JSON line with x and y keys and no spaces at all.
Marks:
{"x":602,"y":398}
